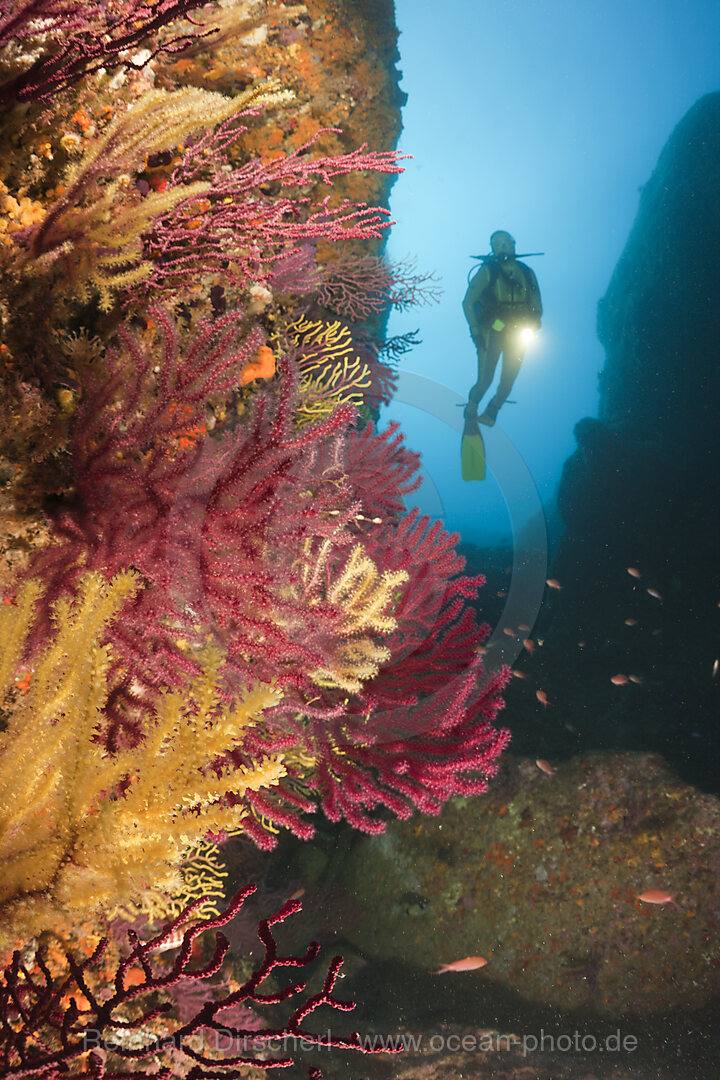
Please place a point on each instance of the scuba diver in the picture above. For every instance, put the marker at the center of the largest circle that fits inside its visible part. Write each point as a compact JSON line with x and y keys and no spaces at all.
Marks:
{"x":503,"y":308}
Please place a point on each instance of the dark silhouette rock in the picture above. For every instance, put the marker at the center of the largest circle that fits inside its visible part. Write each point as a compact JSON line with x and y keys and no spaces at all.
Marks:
{"x":640,"y":491}
{"x":650,"y":471}
{"x":660,"y":318}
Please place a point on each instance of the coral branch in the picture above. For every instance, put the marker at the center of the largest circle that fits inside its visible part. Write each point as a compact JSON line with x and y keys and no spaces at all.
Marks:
{"x":94,"y":229}
{"x":128,"y":1016}
{"x":79,"y":39}
{"x":362,"y":286}
{"x":69,"y":847}
{"x":292,"y":550}
{"x":237,"y":229}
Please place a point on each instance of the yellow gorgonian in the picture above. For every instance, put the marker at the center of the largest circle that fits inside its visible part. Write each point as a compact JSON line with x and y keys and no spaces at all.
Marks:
{"x":97,"y":224}
{"x":366,"y":597}
{"x":83,"y":831}
{"x":331,"y":372}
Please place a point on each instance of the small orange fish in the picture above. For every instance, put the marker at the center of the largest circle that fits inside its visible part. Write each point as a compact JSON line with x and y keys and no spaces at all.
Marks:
{"x":469,"y":963}
{"x":174,"y":941}
{"x":619,"y":680}
{"x":508,"y":631}
{"x":637,"y":679}
{"x":553,"y":583}
{"x":542,"y":697}
{"x":519,"y":674}
{"x":716,"y":665}
{"x":634,"y":572}
{"x":529,"y":644}
{"x":657,"y":896}
{"x":524,"y":627}
{"x":631,"y":622}
{"x":545,"y":766}
{"x":654,"y":593}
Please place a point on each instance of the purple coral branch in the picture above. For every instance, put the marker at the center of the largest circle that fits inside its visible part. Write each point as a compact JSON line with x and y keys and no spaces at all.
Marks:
{"x":235,"y":229}
{"x":20,"y":21}
{"x":84,"y":39}
{"x":43,"y":1035}
{"x":358,"y":287}
{"x":195,"y":520}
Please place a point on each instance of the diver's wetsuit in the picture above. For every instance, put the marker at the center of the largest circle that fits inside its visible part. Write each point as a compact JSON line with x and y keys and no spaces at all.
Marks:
{"x":501,"y":298}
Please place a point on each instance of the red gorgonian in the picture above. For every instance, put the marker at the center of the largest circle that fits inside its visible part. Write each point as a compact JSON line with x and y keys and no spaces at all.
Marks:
{"x":240,"y":534}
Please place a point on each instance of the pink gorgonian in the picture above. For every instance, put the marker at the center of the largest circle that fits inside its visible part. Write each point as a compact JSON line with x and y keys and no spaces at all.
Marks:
{"x":257,"y":213}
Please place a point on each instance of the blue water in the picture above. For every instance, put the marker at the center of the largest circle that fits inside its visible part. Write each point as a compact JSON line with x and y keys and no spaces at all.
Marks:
{"x":545,"y":119}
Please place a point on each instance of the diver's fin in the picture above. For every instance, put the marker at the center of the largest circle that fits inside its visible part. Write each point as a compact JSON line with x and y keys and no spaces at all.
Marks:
{"x":472,"y":453}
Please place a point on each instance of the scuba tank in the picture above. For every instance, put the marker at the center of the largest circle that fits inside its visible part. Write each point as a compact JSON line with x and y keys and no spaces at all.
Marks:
{"x":484,"y":259}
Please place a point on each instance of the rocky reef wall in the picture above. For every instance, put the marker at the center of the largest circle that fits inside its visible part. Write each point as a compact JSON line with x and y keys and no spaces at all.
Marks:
{"x":639,"y":483}
{"x":660,"y":318}
{"x":336,"y":60}
{"x":637,"y":561}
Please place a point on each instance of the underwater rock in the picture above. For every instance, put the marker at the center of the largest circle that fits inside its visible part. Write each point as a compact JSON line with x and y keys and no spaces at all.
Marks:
{"x":660,"y":318}
{"x":543,"y":878}
{"x":659,"y":323}
{"x":639,"y":490}
{"x":643,"y":467}
{"x":339,"y":58}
